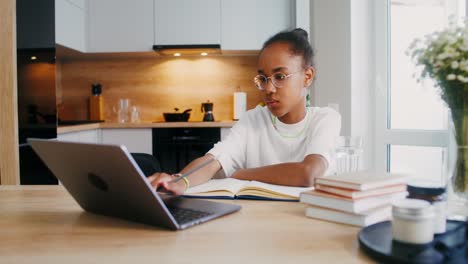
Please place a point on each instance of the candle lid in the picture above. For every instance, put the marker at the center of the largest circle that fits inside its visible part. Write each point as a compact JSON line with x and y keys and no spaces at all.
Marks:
{"x":419,"y":189}
{"x":412,"y":209}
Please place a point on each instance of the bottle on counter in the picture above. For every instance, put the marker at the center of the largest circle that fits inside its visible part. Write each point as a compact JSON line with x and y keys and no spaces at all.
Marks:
{"x":96,"y":103}
{"x":135,"y":115}
{"x":240,"y":104}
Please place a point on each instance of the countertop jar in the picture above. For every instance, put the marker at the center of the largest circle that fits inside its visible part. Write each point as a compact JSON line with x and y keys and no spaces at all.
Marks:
{"x":435,"y":195}
{"x":412,"y":221}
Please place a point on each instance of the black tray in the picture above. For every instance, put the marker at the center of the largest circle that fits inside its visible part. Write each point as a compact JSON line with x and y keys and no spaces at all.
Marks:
{"x":450,"y":247}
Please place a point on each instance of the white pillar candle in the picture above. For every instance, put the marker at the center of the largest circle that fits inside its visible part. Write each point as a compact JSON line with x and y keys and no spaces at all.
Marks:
{"x":413,"y":221}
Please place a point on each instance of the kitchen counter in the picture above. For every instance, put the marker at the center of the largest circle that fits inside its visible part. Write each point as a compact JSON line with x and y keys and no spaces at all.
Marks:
{"x":83,"y":127}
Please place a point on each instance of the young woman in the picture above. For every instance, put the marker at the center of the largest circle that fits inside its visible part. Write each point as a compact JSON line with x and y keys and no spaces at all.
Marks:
{"x":283,"y":143}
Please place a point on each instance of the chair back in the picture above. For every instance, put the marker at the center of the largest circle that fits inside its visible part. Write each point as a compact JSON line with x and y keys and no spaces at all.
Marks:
{"x":147,"y":163}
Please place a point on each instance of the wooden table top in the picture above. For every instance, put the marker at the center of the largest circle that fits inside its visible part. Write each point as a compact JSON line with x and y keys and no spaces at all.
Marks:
{"x":43,"y":224}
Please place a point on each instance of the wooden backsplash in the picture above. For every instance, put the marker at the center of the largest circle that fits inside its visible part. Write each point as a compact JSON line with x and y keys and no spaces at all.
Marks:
{"x":36,"y":82}
{"x":156,"y":85}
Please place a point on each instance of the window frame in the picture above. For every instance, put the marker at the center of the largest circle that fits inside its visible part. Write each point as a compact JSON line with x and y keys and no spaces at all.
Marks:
{"x":385,"y":136}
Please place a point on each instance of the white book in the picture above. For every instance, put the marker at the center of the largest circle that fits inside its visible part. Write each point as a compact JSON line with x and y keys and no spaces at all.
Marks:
{"x":353,"y":194}
{"x":230,"y":188}
{"x":362,"y":180}
{"x":365,"y":218}
{"x":340,"y":203}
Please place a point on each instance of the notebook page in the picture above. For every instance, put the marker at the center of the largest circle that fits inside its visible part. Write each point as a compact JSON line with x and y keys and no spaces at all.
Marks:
{"x":228,"y":184}
{"x":280,"y":189}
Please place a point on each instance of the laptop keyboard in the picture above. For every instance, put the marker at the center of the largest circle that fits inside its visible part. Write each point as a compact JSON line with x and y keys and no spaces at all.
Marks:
{"x":183,"y":215}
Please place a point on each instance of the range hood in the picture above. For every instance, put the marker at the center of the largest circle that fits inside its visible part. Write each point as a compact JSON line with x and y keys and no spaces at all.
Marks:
{"x":181,"y":50}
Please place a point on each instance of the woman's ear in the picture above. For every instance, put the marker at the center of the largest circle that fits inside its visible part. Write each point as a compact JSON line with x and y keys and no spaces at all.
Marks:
{"x":309,"y":76}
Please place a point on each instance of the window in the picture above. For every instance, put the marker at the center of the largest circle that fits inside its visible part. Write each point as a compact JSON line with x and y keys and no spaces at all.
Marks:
{"x":411,"y":120}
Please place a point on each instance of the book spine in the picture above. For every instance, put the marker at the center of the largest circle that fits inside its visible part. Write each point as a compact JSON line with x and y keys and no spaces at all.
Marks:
{"x":346,"y":185}
{"x":366,"y":218}
{"x":351,"y":206}
{"x":334,"y":216}
{"x":355,"y":195}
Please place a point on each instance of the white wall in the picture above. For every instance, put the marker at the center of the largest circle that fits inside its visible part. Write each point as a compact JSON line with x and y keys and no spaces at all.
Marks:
{"x":302,"y":14}
{"x":330,"y":32}
{"x":342,"y":36}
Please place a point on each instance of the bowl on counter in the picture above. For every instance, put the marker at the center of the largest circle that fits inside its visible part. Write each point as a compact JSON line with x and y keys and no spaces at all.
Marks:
{"x":176,"y":116}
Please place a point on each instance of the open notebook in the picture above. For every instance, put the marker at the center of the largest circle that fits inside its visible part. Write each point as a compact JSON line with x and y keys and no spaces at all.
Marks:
{"x":232,"y":188}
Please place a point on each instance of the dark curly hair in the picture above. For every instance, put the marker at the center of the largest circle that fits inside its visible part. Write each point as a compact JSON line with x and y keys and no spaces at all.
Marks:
{"x":298,"y":41}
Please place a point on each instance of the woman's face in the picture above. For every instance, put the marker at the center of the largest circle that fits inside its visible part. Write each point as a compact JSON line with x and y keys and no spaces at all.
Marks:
{"x":288,"y":101}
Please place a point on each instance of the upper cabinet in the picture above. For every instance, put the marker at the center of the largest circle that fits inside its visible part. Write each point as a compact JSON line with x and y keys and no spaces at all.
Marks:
{"x":182,"y":22}
{"x":35,"y":23}
{"x":120,"y":25}
{"x":246,"y":24}
{"x":132,"y":26}
{"x":70,"y":24}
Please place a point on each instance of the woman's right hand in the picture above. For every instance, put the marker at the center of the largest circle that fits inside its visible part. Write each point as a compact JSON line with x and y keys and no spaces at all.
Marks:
{"x":163,"y":181}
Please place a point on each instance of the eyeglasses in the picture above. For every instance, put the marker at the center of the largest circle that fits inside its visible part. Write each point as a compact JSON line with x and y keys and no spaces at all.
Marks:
{"x":277,"y":79}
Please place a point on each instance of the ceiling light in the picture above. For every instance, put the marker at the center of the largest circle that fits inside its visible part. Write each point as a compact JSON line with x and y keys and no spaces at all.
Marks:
{"x":33,"y":57}
{"x":204,"y":53}
{"x":177,"y":54}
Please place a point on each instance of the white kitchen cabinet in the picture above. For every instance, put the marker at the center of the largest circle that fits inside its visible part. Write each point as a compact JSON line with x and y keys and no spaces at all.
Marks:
{"x":119,"y":25}
{"x":90,"y":136}
{"x":246,"y":24}
{"x":85,"y":136}
{"x":70,"y":25}
{"x":180,"y":22}
{"x":138,"y":140}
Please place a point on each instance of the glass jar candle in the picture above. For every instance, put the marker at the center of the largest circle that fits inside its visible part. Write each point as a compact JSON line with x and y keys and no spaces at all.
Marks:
{"x":435,"y":195}
{"x":412,"y":221}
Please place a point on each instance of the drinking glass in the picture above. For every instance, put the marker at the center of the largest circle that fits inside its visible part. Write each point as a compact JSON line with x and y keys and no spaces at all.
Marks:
{"x":122,"y":110}
{"x":348,"y":150}
{"x":124,"y":104}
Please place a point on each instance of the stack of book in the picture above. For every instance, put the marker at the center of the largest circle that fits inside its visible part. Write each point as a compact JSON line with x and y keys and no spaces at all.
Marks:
{"x":359,"y":198}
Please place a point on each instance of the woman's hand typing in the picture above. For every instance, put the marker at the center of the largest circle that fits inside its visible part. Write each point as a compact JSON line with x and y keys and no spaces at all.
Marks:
{"x":163,"y":182}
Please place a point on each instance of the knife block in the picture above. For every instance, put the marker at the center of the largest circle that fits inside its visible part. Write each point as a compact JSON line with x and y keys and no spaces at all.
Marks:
{"x":96,"y":107}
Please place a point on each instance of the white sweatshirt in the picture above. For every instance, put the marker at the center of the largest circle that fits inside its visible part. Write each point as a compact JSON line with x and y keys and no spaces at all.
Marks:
{"x":259,"y":139}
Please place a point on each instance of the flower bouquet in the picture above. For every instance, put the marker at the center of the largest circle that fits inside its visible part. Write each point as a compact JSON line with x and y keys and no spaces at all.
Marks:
{"x":443,"y":57}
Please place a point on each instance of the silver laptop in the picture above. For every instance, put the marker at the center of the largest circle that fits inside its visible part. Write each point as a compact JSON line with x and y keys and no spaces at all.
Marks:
{"x":105,"y":179}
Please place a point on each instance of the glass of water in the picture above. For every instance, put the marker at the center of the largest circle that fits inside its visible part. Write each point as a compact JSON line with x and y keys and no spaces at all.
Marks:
{"x":348,"y":150}
{"x":122,"y":110}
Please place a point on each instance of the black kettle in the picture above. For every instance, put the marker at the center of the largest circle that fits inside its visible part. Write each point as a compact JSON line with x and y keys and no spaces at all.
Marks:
{"x":208,"y":109}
